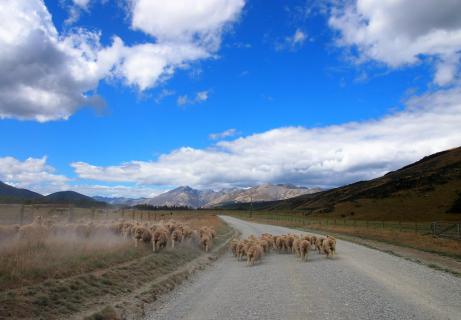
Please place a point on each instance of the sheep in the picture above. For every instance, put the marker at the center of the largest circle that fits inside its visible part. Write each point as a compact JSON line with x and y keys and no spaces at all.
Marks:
{"x":187,"y":232}
{"x":329,"y":246}
{"x":303,"y":249}
{"x":176,"y":236}
{"x":318,"y":244}
{"x":295,"y":246}
{"x":280,"y":243}
{"x":313,"y":241}
{"x":243,"y":249}
{"x":141,"y":234}
{"x":254,"y":254}
{"x":265,"y":245}
{"x":233,"y":246}
{"x":159,"y":238}
{"x":205,"y":242}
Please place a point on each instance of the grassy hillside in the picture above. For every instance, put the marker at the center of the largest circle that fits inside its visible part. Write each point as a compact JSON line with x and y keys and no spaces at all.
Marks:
{"x":10,"y":194}
{"x":426,"y":190}
{"x":72,"y":197}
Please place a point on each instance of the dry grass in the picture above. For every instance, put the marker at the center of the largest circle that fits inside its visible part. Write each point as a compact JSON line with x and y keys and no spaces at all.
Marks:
{"x":65,"y":275}
{"x":422,"y":242}
{"x":26,"y":263}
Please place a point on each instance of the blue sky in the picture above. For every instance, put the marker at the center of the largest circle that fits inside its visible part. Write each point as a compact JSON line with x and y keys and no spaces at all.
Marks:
{"x":305,"y":94}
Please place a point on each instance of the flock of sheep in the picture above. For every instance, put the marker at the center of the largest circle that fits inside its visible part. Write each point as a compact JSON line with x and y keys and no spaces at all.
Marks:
{"x":254,"y":248}
{"x":159,"y":234}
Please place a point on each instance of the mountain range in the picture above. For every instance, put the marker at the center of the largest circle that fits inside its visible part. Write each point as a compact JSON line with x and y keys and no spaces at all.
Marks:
{"x":189,"y":197}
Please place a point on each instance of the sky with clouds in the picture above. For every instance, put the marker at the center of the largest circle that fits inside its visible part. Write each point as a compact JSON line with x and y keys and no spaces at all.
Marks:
{"x":134,"y":97}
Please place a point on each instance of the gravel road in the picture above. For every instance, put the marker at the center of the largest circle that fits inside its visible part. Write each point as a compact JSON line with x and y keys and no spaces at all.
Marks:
{"x":359,"y":283}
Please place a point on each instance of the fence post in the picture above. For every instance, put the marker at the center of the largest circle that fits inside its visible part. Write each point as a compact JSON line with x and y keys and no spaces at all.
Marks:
{"x":366,"y":222}
{"x":459,"y":230}
{"x":400,"y":226}
{"x":383,"y":224}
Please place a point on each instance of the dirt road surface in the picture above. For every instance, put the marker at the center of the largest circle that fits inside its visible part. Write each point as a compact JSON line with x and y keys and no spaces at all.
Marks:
{"x":359,"y":283}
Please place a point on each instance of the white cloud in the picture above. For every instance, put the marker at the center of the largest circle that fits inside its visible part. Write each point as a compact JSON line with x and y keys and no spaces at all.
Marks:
{"x":164,"y":94}
{"x":200,"y":97}
{"x":81,"y":3}
{"x":299,"y":37}
{"x":116,"y":191}
{"x":33,"y":173}
{"x":46,"y":76}
{"x":225,"y":134}
{"x":185,"y":21}
{"x":325,"y":156}
{"x":292,"y":42}
{"x":402,"y":32}
{"x":43,"y":76}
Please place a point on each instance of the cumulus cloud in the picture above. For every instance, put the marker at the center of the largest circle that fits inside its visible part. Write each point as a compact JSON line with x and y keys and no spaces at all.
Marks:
{"x":225,"y":134}
{"x":185,"y":21}
{"x":400,"y":32}
{"x":33,"y":173}
{"x":324,"y":156}
{"x":47,"y":76}
{"x":37,"y":175}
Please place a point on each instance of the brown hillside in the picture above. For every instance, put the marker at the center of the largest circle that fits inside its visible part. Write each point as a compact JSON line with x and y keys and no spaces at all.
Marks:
{"x":425,"y":190}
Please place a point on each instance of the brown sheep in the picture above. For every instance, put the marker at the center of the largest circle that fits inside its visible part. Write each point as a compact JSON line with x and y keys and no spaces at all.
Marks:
{"x":141,"y":234}
{"x":329,"y":246}
{"x":205,"y":242}
{"x":313,"y":241}
{"x":187,"y":232}
{"x":176,"y":236}
{"x":254,"y":254}
{"x":319,"y":244}
{"x":159,"y":239}
{"x":295,"y":246}
{"x":303,"y":249}
{"x":233,"y":246}
{"x":281,"y":243}
{"x":265,"y":245}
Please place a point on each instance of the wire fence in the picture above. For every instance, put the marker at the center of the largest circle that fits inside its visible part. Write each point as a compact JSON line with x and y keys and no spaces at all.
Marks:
{"x":298,"y":221}
{"x":23,"y":214}
{"x":446,"y":229}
